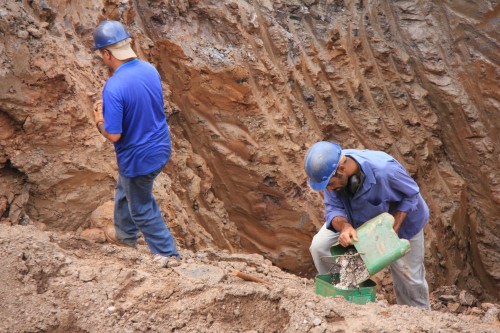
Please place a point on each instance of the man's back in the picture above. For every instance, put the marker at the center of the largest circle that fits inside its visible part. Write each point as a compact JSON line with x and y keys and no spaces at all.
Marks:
{"x":387,"y":188}
{"x":133,"y":107}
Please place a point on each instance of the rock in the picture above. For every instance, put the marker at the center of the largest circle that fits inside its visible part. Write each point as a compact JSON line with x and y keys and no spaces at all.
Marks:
{"x":453,"y":307}
{"x":103,"y":215}
{"x":487,"y":306}
{"x":448,"y":298}
{"x":383,"y":303}
{"x":474,"y":311}
{"x":161,"y":261}
{"x":466,"y":298}
{"x":95,"y":235}
{"x":3,"y":204}
{"x":35,"y":32}
{"x":491,"y":316}
{"x":40,"y":225}
{"x":23,"y":34}
{"x":439,"y":307}
{"x":86,"y":274}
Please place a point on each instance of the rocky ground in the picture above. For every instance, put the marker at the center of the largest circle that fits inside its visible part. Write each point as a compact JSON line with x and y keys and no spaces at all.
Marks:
{"x":61,"y":282}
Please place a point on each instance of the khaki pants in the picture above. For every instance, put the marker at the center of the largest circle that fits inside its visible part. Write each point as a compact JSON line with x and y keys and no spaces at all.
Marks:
{"x":408,"y":272}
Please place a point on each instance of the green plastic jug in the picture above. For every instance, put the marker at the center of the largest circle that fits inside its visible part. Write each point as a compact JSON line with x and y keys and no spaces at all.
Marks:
{"x":378,"y":244}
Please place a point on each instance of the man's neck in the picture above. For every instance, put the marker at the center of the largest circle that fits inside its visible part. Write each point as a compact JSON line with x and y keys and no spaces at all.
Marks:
{"x":117,"y":63}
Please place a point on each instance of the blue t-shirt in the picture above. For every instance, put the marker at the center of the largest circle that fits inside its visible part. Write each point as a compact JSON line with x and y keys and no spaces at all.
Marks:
{"x":133,"y":107}
{"x":387,"y":188}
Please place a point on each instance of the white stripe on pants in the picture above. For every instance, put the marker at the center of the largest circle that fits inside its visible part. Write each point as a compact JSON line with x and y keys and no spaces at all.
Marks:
{"x":408,"y":273}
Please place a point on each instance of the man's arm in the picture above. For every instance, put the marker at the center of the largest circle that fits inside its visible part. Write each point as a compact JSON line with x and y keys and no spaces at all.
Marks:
{"x":399,"y":217}
{"x":405,"y":185}
{"x":346,"y":230}
{"x":111,"y":137}
{"x":335,"y":215}
{"x":99,"y":121}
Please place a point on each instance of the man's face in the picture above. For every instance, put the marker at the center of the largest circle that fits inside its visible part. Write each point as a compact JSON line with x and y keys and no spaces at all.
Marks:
{"x":106,"y":56}
{"x":106,"y":59}
{"x":339,"y":180}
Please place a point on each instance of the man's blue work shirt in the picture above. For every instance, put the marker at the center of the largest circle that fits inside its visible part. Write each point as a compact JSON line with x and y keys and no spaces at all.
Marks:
{"x":387,"y":188}
{"x":133,"y":107}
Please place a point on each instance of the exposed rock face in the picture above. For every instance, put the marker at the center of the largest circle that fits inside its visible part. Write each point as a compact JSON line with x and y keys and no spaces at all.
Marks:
{"x":249,"y":87}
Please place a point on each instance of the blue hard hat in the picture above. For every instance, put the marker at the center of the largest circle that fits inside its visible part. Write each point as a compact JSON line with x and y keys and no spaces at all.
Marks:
{"x":321,"y":162}
{"x":108,"y":33}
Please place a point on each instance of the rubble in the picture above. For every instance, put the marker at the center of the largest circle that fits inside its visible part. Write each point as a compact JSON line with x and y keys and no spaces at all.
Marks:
{"x":450,"y":299}
{"x":62,"y":282}
{"x":353,"y":270}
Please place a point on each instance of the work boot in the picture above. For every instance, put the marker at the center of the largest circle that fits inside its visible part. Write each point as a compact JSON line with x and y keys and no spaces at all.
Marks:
{"x":165,"y":262}
{"x":110,"y":233}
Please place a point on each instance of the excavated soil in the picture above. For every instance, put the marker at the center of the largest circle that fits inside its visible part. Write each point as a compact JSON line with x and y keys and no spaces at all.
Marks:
{"x":60,"y":282}
{"x":249,"y":86}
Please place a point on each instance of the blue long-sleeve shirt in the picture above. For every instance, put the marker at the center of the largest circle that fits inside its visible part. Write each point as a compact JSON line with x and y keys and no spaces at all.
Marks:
{"x":387,"y":188}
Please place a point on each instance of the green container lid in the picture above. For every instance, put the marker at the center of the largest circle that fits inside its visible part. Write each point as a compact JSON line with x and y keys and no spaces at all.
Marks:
{"x":378,"y":244}
{"x":362,"y":295}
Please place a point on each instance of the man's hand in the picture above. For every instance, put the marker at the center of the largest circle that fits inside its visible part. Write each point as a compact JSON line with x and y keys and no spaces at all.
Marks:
{"x":342,"y":225}
{"x":98,"y":112}
{"x":346,"y":234}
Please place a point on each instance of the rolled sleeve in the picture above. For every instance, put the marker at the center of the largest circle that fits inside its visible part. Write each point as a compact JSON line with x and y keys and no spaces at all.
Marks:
{"x":408,"y":204}
{"x":401,"y":182}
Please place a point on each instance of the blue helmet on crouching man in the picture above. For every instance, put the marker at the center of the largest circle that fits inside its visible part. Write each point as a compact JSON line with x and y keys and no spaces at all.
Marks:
{"x":321,"y":162}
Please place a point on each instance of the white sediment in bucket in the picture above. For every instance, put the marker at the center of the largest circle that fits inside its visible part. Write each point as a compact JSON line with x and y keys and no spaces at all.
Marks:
{"x":353,"y":270}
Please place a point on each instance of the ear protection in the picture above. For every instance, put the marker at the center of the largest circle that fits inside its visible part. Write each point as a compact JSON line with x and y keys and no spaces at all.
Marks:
{"x":355,"y":182}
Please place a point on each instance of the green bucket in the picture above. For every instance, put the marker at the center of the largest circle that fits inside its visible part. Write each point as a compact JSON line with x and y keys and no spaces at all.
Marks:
{"x":362,"y":295}
{"x":378,"y":244}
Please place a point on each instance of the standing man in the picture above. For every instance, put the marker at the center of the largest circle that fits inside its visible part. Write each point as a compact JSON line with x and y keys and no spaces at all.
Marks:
{"x":131,"y":116}
{"x":358,"y":185}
